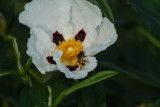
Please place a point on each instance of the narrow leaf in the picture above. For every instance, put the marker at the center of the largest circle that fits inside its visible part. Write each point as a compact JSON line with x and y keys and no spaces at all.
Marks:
{"x":15,"y":48}
{"x":50,"y":96}
{"x":18,"y":55}
{"x":92,"y":96}
{"x":30,"y":97}
{"x":23,"y":74}
{"x":149,"y":11}
{"x":57,"y":85}
{"x":90,"y":81}
{"x":3,"y":73}
{"x":28,"y":64}
{"x":137,"y":75}
{"x":47,"y":76}
{"x":149,"y":36}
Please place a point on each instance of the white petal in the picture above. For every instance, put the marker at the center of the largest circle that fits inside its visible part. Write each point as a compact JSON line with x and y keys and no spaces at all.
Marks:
{"x":90,"y":66}
{"x":106,"y":36}
{"x":39,"y":45}
{"x":85,"y":15}
{"x":51,"y":13}
{"x":68,"y":31}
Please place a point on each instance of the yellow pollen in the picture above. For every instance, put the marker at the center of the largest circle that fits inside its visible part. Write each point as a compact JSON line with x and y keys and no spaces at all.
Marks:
{"x":71,"y":48}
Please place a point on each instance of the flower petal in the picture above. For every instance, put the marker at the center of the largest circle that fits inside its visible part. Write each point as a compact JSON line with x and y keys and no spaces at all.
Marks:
{"x":68,"y":31}
{"x":39,"y":48}
{"x":85,"y":15}
{"x":79,"y":74}
{"x":49,"y":13}
{"x":106,"y":36}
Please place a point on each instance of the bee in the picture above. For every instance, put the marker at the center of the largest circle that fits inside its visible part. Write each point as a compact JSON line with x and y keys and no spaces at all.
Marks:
{"x":81,"y":60}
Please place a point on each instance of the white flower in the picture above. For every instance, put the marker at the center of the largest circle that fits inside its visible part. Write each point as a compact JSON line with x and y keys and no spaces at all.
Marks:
{"x":66,"y":34}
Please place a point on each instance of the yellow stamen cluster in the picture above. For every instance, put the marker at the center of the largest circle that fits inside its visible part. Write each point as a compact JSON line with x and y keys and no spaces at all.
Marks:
{"x":71,"y":48}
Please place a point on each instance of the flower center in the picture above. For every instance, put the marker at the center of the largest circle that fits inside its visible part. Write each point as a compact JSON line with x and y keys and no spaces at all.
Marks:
{"x":71,"y":48}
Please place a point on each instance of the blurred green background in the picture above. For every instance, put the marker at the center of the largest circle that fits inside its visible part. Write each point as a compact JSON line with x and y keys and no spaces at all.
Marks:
{"x":135,"y":55}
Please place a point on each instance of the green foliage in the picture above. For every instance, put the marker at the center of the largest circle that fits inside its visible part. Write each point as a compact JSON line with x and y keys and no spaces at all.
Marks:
{"x":18,"y":55}
{"x":134,"y":74}
{"x":90,"y":81}
{"x":35,"y":96}
{"x":3,"y":73}
{"x":149,"y":11}
{"x":92,"y":96}
{"x":149,"y":36}
{"x":22,"y":71}
{"x":57,"y":86}
{"x":47,"y":76}
{"x":28,"y":64}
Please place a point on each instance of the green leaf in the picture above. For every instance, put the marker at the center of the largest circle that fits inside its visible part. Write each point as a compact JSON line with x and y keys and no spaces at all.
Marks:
{"x":23,"y":74}
{"x":147,"y":78}
{"x":50,"y":96}
{"x":28,"y":64}
{"x":90,"y":81}
{"x":36,"y":75}
{"x":149,"y":11}
{"x":30,"y":97}
{"x":3,"y":73}
{"x":92,"y":96}
{"x":149,"y":36}
{"x":18,"y":55}
{"x":15,"y":48}
{"x":105,"y":8}
{"x":57,"y":85}
{"x":47,"y":76}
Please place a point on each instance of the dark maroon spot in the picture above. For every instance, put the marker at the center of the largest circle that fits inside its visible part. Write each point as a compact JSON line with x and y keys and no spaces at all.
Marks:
{"x":72,"y":68}
{"x":81,"y":35}
{"x":50,"y":60}
{"x":57,"y":37}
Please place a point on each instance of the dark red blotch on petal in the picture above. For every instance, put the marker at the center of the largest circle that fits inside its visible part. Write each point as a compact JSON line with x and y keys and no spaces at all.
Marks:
{"x":72,"y":68}
{"x":81,"y":35}
{"x":50,"y":60}
{"x":57,"y":37}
